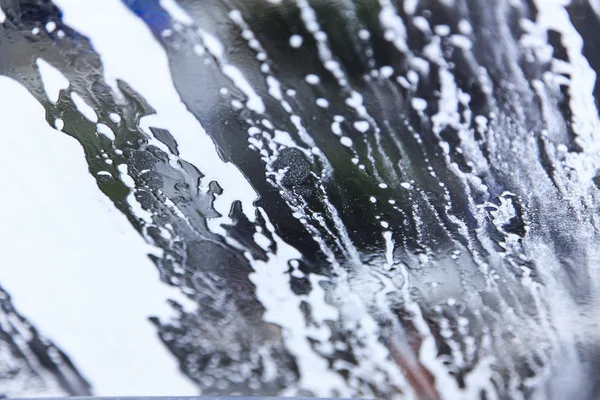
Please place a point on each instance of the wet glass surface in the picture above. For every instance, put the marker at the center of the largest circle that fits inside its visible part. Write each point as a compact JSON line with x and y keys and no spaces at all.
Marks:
{"x":361,"y":199}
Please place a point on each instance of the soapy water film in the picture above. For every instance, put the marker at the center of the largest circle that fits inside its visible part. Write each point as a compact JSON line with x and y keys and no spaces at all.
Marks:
{"x":348,"y":198}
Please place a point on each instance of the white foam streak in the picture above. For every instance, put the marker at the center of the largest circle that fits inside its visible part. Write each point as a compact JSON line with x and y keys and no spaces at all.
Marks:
{"x":254,"y":102}
{"x":84,"y":108}
{"x":216,"y":48}
{"x":552,"y":14}
{"x":54,"y":81}
{"x":395,"y":31}
{"x":283,"y":308}
{"x":176,"y":12}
